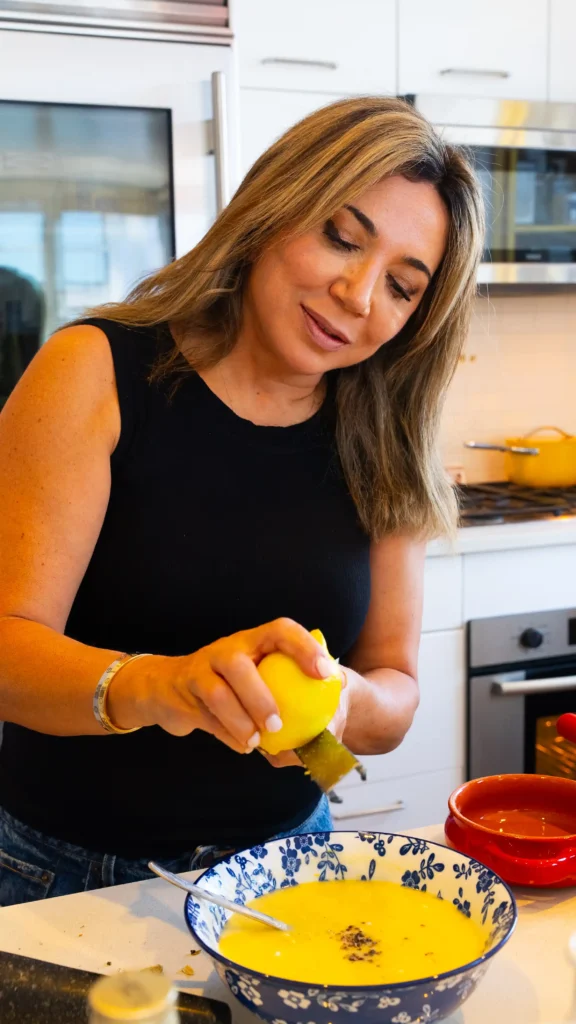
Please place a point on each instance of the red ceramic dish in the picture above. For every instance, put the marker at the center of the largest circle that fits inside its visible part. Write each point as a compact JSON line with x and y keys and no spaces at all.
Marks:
{"x":521,"y":826}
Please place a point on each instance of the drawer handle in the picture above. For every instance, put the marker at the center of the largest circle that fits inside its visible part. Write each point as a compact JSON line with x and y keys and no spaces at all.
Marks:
{"x":398,"y":805}
{"x":479,"y":72}
{"x":326,"y":65}
{"x":220,"y":139}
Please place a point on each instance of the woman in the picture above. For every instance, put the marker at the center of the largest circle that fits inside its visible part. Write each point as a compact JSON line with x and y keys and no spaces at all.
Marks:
{"x":240,"y":452}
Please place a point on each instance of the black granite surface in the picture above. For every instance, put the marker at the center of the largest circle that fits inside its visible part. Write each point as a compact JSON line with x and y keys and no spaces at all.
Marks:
{"x":36,"y":992}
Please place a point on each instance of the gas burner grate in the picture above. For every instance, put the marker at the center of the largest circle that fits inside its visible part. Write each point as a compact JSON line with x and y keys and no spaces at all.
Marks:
{"x":504,"y":502}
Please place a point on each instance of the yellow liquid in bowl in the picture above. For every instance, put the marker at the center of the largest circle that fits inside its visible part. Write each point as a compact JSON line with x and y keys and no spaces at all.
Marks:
{"x":353,"y":933}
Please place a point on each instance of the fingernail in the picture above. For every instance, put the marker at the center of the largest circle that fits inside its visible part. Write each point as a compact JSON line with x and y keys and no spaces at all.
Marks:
{"x":325,"y":667}
{"x":254,"y":741}
{"x":273,"y":723}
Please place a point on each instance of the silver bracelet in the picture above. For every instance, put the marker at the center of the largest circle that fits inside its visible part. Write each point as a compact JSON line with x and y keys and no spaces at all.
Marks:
{"x":101,"y":692}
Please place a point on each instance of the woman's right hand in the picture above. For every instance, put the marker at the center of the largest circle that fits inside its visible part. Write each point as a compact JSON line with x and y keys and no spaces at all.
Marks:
{"x":217,"y":689}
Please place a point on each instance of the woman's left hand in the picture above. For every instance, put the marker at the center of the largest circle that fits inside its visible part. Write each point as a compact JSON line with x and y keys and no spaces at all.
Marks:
{"x":288,"y":759}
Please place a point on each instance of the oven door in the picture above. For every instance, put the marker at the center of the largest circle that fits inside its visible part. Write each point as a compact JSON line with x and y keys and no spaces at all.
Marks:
{"x":525,"y":157}
{"x":512,"y":719}
{"x":108,"y":169}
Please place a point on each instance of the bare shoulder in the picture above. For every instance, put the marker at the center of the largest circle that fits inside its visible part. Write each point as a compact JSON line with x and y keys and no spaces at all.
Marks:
{"x":70,"y":382}
{"x":57,"y":431}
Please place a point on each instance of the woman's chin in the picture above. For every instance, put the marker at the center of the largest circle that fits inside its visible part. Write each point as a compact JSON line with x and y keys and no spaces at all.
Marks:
{"x":306,"y":360}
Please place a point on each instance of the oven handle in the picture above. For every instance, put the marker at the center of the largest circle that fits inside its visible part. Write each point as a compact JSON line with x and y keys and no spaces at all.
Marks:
{"x":501,"y":688}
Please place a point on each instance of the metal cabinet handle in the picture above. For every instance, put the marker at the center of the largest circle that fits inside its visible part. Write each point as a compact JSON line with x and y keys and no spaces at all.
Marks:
{"x":512,"y":448}
{"x":526,"y":687}
{"x":398,"y":805}
{"x":220,"y":140}
{"x":327,"y":65}
{"x":481,"y":72}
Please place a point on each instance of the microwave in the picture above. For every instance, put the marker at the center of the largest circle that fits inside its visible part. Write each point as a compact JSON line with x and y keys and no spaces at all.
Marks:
{"x":525,"y":157}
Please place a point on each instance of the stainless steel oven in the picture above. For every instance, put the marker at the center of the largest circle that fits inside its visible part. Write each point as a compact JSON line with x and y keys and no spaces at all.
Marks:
{"x":521,"y":678}
{"x":114,"y":153}
{"x":525,"y":154}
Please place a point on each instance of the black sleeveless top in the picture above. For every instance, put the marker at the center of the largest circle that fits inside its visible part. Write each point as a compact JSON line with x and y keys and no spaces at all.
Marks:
{"x":214,"y":525}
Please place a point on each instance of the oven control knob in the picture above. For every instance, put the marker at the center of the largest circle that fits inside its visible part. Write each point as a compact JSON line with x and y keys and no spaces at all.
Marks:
{"x":531,"y":638}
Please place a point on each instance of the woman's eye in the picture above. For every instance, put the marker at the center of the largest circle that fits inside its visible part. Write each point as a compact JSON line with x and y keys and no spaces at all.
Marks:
{"x":399,"y":290}
{"x":333,"y":235}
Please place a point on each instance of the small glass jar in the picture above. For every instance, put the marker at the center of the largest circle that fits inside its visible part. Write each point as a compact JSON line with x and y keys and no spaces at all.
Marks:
{"x":133,"y":996}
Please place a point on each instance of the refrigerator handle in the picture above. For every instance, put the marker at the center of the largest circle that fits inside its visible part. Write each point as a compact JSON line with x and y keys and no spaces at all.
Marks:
{"x":220,"y":140}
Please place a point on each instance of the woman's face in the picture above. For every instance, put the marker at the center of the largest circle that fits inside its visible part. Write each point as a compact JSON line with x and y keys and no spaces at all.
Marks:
{"x":331,"y":297}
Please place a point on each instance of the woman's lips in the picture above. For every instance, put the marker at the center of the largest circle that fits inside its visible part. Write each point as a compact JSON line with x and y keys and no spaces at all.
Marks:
{"x":319,"y":335}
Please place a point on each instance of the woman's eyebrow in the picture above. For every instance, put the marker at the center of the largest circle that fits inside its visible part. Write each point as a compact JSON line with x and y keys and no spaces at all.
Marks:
{"x":363,"y":220}
{"x":411,"y":261}
{"x":369,"y":225}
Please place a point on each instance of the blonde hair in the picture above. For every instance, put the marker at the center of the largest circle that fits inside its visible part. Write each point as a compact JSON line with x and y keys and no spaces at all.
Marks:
{"x":389,"y":405}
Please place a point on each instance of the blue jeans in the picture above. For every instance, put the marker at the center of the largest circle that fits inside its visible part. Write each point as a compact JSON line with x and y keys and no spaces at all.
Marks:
{"x":34,"y":866}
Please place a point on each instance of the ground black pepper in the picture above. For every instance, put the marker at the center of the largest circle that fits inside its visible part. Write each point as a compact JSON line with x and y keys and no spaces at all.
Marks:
{"x":357,"y":945}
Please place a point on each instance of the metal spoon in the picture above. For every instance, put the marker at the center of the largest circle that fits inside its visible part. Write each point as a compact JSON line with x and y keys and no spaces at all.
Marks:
{"x":220,"y":901}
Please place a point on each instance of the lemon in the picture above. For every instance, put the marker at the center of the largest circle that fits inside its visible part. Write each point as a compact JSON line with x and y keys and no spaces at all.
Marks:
{"x":305,"y":705}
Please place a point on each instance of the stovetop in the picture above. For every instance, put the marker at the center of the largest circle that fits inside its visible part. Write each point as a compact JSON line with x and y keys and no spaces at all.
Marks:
{"x":504,"y":502}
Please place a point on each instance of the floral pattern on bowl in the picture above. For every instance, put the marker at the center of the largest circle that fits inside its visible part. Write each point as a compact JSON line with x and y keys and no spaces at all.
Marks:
{"x":333,"y":857}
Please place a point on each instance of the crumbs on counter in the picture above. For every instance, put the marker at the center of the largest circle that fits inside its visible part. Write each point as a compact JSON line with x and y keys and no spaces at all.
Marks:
{"x":154,"y":969}
{"x":194,"y":952}
{"x":187,"y":970}
{"x":108,"y":963}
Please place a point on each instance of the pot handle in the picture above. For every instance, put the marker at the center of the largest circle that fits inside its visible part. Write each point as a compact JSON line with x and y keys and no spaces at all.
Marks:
{"x":512,"y":449}
{"x":556,"y":430}
{"x":557,"y":868}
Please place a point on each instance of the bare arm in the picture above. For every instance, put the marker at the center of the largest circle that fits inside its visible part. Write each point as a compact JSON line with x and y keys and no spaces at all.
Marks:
{"x":57,"y":432}
{"x":382,"y":679}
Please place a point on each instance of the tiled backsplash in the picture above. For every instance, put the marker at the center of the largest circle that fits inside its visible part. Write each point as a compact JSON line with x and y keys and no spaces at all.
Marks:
{"x":518,"y":372}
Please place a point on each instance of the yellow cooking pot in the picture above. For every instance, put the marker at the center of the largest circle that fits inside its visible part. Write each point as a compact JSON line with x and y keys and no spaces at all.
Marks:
{"x":535,"y":461}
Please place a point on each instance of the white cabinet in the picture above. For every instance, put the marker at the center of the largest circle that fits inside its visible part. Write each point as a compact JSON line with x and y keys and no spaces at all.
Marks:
{"x":265,"y":114}
{"x":316,"y":45}
{"x":492,"y":48}
{"x":525,"y":580}
{"x":436,"y":738}
{"x":562,"y":38}
{"x":442,"y":593}
{"x":397,"y":805}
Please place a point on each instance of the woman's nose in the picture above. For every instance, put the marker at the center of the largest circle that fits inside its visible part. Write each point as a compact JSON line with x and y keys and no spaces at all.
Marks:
{"x":355,"y":287}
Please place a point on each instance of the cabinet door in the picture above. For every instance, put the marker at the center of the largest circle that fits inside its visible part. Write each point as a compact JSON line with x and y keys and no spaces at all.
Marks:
{"x":325,"y":47}
{"x":266,"y":114}
{"x":523,"y":580}
{"x":397,"y":805}
{"x":562,"y":63}
{"x":484,"y":49}
{"x":442,"y":593}
{"x":436,"y":739}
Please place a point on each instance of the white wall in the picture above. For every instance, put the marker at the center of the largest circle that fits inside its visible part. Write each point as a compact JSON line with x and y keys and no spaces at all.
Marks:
{"x":518,"y":372}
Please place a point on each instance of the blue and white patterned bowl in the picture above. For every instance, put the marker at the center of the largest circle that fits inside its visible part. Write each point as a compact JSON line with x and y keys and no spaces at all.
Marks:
{"x":336,"y":856}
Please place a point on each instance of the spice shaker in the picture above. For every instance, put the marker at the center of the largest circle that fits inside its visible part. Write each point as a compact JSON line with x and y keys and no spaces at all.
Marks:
{"x":133,"y":996}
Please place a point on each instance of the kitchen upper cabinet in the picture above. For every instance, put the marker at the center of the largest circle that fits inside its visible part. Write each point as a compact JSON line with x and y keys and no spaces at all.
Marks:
{"x":265,"y":114}
{"x":334,"y":46}
{"x":562,"y":63}
{"x":491,"y":48}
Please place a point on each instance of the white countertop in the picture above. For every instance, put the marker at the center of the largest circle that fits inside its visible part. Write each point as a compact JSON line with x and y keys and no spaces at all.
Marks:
{"x":531,"y":981}
{"x":506,"y":536}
